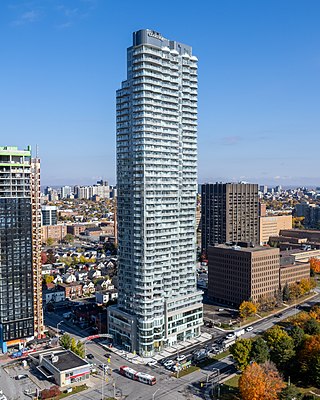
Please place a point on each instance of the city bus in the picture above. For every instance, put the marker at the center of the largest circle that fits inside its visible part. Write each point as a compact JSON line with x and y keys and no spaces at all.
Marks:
{"x":137,"y":376}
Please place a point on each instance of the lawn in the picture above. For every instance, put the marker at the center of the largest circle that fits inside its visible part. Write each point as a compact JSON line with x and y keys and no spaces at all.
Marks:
{"x":229,"y":389}
{"x":75,"y":389}
{"x":187,"y":371}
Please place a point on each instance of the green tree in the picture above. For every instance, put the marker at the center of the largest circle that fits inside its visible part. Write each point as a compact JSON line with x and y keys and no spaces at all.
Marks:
{"x":241,"y":352}
{"x":50,"y":241}
{"x":297,"y":335}
{"x":312,"y":327}
{"x":281,"y":346}
{"x":286,"y":292}
{"x":315,"y":372}
{"x":77,"y":347}
{"x":290,"y":393}
{"x":259,"y":351}
{"x":68,"y":238}
{"x":65,"y":341}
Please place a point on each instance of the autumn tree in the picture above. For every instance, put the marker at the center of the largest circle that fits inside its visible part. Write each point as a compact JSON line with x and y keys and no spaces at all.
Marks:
{"x":259,"y":350}
{"x":241,"y":352}
{"x":315,"y":264}
{"x":247,"y":309}
{"x":315,"y":312}
{"x":309,"y":352}
{"x":305,"y":285}
{"x":260,"y":383}
{"x":48,"y":279}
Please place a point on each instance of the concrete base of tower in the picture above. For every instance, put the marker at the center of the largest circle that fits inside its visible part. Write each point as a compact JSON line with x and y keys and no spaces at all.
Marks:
{"x":182,"y":319}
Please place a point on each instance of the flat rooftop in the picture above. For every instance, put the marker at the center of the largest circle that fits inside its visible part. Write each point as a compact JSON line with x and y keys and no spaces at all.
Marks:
{"x":65,"y":360}
{"x":249,"y":249}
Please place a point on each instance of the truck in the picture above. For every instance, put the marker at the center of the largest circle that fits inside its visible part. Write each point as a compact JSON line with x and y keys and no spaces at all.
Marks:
{"x":239,"y":332}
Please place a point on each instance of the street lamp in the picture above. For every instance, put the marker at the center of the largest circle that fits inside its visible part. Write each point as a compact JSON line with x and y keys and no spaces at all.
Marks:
{"x":155,"y":393}
{"x":58,"y":325}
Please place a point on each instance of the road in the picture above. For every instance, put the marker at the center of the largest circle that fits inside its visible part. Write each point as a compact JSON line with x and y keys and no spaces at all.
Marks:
{"x":167,"y":387}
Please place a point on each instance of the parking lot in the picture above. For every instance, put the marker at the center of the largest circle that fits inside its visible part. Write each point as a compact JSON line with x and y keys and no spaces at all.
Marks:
{"x":18,"y":382}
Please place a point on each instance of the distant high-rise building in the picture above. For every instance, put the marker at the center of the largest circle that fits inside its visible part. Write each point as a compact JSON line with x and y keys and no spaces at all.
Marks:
{"x":66,"y":192}
{"x":158,"y":303}
{"x":229,"y":213}
{"x":20,"y":243}
{"x":49,"y":215}
{"x":263,"y":189}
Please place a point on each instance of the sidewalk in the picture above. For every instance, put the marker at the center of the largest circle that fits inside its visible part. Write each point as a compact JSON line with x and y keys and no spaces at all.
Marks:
{"x":167,"y":352}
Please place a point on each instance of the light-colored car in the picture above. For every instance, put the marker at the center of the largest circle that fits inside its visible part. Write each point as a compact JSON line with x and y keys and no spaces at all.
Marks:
{"x":181,"y":357}
{"x":231,"y":336}
{"x":249,"y":328}
{"x":168,"y":364}
{"x":152,"y":363}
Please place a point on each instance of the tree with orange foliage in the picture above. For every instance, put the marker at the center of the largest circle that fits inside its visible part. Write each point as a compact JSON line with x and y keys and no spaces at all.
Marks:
{"x":260,"y":382}
{"x":315,"y":312}
{"x":315,"y":264}
{"x":309,"y":352}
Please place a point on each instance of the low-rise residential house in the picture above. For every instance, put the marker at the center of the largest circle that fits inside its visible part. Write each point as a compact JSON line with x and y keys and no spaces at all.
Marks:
{"x":88,"y":288}
{"x":94,"y":273}
{"x":72,"y":290}
{"x":58,"y":279}
{"x":104,"y":296}
{"x":69,"y":278}
{"x":53,"y":295}
{"x":81,"y":275}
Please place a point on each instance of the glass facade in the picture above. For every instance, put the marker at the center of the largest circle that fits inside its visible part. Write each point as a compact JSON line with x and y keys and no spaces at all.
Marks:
{"x":16,"y":279}
{"x":157,"y":185}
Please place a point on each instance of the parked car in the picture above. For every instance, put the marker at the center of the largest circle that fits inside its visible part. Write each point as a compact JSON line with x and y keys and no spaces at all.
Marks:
{"x":230,"y":336}
{"x":90,"y":356}
{"x":21,"y":376}
{"x":152,"y":363}
{"x":181,"y":357}
{"x":249,"y":328}
{"x":168,"y":364}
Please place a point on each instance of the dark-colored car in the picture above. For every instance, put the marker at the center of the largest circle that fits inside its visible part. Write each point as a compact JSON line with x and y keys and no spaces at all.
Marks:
{"x":90,"y":356}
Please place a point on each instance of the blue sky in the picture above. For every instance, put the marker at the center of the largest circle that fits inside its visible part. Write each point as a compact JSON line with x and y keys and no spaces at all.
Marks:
{"x":259,"y":83}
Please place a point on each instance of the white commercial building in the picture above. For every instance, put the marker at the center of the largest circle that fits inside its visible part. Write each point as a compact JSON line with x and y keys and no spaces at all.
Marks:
{"x":158,"y":302}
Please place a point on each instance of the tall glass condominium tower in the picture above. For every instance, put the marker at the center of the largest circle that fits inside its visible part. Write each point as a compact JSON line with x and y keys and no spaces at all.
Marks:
{"x":158,"y":303}
{"x":20,"y":246}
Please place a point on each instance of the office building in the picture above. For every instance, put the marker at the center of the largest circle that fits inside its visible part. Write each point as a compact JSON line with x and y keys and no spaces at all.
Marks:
{"x":49,"y":215}
{"x":158,"y":302}
{"x":229,"y":213}
{"x":20,"y":242}
{"x":239,"y":273}
{"x":272,"y":225}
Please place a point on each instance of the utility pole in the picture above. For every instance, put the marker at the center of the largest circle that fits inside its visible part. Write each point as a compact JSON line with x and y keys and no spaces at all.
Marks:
{"x":102,"y":382}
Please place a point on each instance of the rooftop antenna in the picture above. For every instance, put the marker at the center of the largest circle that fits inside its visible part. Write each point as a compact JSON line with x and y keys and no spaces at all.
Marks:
{"x":37,"y":150}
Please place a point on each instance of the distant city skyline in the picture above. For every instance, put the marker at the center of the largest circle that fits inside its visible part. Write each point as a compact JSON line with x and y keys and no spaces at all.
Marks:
{"x":258,"y":84}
